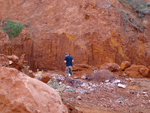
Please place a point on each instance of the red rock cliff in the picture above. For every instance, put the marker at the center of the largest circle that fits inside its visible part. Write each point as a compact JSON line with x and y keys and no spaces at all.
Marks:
{"x":93,"y":32}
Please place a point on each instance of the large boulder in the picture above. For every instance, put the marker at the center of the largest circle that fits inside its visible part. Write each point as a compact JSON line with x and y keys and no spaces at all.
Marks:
{"x":110,"y":66}
{"x":125,"y":65}
{"x":22,"y":94}
{"x":134,"y":67}
{"x":137,"y":71}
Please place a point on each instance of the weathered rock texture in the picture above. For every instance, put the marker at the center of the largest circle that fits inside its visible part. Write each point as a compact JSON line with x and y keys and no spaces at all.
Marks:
{"x":15,"y":62}
{"x":22,"y":94}
{"x":137,"y":71}
{"x":45,"y":78}
{"x":103,"y":75}
{"x":93,"y":32}
{"x":110,"y":66}
{"x":125,"y":65}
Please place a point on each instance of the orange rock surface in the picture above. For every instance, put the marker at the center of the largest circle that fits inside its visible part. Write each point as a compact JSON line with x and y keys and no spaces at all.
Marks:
{"x":137,"y":71}
{"x":110,"y":66}
{"x":134,"y":67}
{"x":125,"y":65}
{"x":144,"y":71}
{"x":45,"y":78}
{"x":22,"y":94}
{"x":93,"y":32}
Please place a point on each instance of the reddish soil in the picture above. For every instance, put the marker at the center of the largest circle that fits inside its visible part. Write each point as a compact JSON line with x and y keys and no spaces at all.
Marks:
{"x":133,"y":99}
{"x":106,"y":97}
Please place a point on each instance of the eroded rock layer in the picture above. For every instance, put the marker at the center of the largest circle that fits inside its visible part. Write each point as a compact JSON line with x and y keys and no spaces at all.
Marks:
{"x":93,"y":32}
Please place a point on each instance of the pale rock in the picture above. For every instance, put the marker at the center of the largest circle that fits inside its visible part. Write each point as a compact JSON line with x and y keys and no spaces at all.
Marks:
{"x":83,"y":77}
{"x":60,"y":83}
{"x":106,"y":80}
{"x":10,"y":62}
{"x":78,"y":97}
{"x":75,"y":77}
{"x":121,"y":85}
{"x":145,"y":94}
{"x":91,"y":89}
{"x":93,"y":85}
{"x":68,"y":87}
{"x":88,"y":92}
{"x":90,"y":84}
{"x":116,"y":81}
{"x":85,"y":85}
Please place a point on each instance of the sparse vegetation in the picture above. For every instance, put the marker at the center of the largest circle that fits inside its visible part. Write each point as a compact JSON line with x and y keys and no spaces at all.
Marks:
{"x":122,"y":99}
{"x":54,"y":84}
{"x":129,"y":19}
{"x":12,"y":28}
{"x":69,"y":90}
{"x":138,"y":6}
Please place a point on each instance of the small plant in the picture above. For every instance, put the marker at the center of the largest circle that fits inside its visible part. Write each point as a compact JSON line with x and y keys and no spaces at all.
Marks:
{"x":122,"y":99}
{"x":138,"y":6}
{"x":12,"y":28}
{"x":60,"y":90}
{"x":49,"y":82}
{"x":129,"y":19}
{"x":55,"y":84}
{"x":69,"y":90}
{"x":70,"y":99}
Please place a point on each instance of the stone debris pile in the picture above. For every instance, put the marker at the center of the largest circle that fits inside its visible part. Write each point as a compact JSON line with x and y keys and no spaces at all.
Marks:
{"x":15,"y":62}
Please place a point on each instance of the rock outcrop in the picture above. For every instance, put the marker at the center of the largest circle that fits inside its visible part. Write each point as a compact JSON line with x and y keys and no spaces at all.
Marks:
{"x":22,"y":94}
{"x":93,"y":32}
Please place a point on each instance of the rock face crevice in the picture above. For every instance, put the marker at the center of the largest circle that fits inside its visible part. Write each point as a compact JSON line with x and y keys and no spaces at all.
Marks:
{"x":93,"y":32}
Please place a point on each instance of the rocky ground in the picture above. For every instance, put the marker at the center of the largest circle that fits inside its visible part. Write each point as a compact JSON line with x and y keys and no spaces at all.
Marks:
{"x":110,"y":89}
{"x":117,"y":95}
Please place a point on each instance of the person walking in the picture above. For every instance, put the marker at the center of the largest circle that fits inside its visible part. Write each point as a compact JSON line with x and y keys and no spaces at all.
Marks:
{"x":68,"y":60}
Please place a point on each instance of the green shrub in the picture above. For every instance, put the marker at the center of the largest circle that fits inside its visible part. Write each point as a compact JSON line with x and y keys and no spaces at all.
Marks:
{"x":69,"y":90}
{"x":55,"y":84}
{"x":129,"y":19}
{"x":12,"y":28}
{"x":139,"y":6}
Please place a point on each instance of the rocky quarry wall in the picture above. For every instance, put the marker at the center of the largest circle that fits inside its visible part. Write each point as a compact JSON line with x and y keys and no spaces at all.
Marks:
{"x":93,"y":32}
